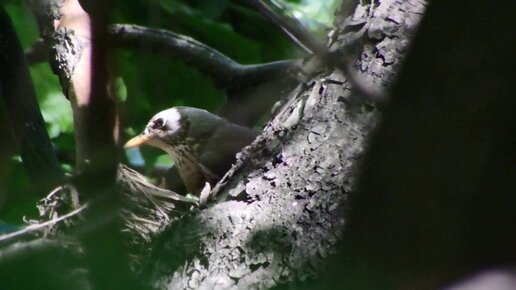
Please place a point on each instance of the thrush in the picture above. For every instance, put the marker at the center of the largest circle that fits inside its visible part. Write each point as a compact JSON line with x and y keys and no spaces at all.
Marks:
{"x":202,"y":145}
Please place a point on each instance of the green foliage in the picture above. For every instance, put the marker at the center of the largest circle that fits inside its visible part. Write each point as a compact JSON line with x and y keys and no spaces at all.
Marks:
{"x":316,"y":15}
{"x":18,"y":186}
{"x":23,"y":21}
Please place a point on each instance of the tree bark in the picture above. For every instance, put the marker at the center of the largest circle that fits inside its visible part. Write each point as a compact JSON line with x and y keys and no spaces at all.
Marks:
{"x":281,"y":207}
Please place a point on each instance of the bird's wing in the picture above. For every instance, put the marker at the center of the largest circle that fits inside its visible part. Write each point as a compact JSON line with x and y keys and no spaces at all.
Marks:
{"x":218,"y":154}
{"x":208,"y":174}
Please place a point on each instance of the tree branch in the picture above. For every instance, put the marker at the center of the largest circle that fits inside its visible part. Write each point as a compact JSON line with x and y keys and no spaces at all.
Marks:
{"x":204,"y":58}
{"x":23,"y":113}
{"x":39,"y":226}
{"x":225,"y":72}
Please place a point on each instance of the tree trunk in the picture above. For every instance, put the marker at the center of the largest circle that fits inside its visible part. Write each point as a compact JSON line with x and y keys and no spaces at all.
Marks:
{"x":281,"y":207}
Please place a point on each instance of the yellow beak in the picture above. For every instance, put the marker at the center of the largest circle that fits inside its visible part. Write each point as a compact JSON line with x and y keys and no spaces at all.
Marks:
{"x":138,"y":140}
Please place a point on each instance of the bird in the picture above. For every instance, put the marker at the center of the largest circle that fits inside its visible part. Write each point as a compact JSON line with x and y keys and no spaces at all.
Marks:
{"x":202,"y":145}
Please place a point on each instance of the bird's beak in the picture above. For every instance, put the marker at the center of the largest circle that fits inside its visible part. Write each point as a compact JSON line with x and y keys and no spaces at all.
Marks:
{"x":138,"y":140}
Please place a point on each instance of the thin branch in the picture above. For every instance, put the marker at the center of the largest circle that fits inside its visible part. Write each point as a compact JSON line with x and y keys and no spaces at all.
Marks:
{"x":135,"y":182}
{"x":299,"y":34}
{"x":39,"y":226}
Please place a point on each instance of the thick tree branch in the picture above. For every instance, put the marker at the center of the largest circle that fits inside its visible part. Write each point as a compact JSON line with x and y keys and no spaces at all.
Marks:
{"x":204,"y":58}
{"x":23,"y":113}
{"x":225,"y":72}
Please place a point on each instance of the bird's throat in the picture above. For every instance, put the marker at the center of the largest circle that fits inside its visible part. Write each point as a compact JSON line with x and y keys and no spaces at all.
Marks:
{"x":187,"y":165}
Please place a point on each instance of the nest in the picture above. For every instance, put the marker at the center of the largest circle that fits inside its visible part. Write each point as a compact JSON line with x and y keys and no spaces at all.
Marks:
{"x":144,"y":208}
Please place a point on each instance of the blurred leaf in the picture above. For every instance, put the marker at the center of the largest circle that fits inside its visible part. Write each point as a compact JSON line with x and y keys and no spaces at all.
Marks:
{"x":23,"y":20}
{"x":316,"y":15}
{"x":213,"y":8}
{"x":67,"y":168}
{"x":14,"y":215}
{"x":220,"y":35}
{"x":164,"y":160}
{"x":19,"y":187}
{"x":57,"y":114}
{"x":17,"y":158}
{"x":120,"y":89}
{"x":7,"y":227}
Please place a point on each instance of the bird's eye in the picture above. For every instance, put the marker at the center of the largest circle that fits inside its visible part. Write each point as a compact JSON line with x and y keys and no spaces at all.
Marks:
{"x":157,"y":124}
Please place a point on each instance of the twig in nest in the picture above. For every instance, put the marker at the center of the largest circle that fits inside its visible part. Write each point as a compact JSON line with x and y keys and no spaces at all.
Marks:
{"x":39,"y":226}
{"x":147,"y":208}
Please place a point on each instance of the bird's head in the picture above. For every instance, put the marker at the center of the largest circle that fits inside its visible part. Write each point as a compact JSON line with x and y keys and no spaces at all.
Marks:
{"x":165,"y":129}
{"x":177,"y":126}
